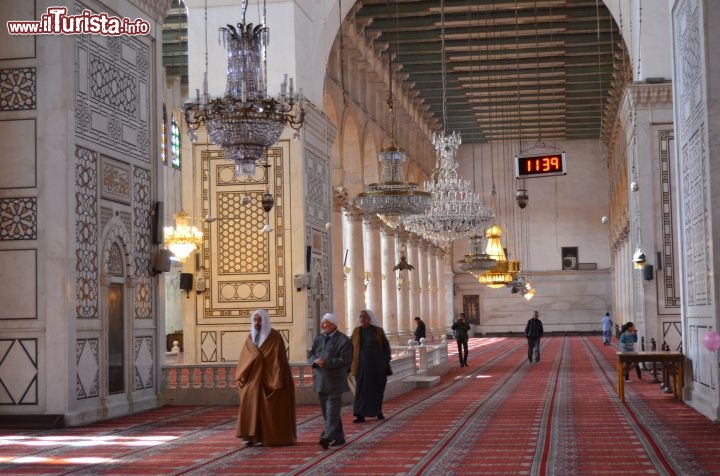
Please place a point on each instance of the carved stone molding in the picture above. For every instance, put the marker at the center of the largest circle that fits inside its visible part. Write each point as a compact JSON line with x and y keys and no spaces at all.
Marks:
{"x":643,"y":96}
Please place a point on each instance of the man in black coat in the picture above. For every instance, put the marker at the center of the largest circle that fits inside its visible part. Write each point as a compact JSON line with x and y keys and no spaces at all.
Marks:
{"x":533,"y":332}
{"x":419,"y":329}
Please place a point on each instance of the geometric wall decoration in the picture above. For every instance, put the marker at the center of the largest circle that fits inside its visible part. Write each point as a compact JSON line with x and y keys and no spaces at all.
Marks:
{"x":143,"y":362}
{"x":208,"y":346}
{"x":17,"y":89}
{"x":670,"y":297}
{"x":86,"y":234}
{"x":113,"y":91}
{"x":18,"y":372}
{"x":88,"y":377}
{"x":245,"y":268}
{"x":19,"y":280}
{"x":142,"y":230}
{"x":18,"y":218}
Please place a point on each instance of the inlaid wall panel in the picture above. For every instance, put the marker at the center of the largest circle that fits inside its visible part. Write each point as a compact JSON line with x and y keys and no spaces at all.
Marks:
{"x":18,"y":89}
{"x":141,"y":227}
{"x":19,"y":371}
{"x":86,"y":234}
{"x":18,"y":218}
{"x":113,"y":90}
{"x":144,"y":363}
{"x":244,"y":268}
{"x":18,"y":153}
{"x":230,"y":344}
{"x":19,"y":279}
{"x":87,"y":369}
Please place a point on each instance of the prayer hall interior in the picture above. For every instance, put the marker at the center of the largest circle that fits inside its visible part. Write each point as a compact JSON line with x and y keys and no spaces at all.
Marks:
{"x":420,"y":158}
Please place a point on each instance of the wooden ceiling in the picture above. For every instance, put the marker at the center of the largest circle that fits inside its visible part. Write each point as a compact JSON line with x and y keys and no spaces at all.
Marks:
{"x":534,"y":70}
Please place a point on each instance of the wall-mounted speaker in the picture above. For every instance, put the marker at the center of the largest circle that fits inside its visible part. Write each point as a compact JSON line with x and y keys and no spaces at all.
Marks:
{"x":161,"y":261}
{"x":157,"y":223}
{"x":186,"y":283}
{"x":648,"y":272}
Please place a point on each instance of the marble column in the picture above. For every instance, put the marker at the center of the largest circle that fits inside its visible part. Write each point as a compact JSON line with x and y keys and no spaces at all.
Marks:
{"x":413,"y":277}
{"x":354,"y":278}
{"x":403,"y":295}
{"x":433,"y":290}
{"x":421,"y":267}
{"x":389,"y":284}
{"x":340,"y":200}
{"x":373,"y":270}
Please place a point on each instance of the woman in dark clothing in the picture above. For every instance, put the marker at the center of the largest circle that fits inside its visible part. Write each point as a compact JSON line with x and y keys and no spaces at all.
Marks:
{"x":370,"y":367}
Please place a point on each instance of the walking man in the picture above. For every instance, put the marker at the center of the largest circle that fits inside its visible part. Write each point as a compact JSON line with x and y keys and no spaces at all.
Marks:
{"x":267,"y":392}
{"x":533,"y":332}
{"x":330,"y":358}
{"x":460,"y":330}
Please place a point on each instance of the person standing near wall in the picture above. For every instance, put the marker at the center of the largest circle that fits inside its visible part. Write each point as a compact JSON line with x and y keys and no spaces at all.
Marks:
{"x":460,"y":332}
{"x":533,"y":332}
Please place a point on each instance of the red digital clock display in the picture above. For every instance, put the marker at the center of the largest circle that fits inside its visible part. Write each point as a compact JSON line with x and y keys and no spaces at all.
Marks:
{"x":540,"y":165}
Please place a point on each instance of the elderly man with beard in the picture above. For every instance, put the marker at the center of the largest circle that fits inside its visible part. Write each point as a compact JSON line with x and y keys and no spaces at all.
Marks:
{"x":267,"y":392}
{"x":330,"y":357}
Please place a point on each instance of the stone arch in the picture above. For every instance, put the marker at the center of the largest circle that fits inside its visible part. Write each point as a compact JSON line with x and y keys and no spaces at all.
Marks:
{"x":116,"y":234}
{"x":371,"y":154}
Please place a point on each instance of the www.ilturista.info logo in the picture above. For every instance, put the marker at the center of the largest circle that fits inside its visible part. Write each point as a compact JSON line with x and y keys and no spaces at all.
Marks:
{"x":57,"y":22}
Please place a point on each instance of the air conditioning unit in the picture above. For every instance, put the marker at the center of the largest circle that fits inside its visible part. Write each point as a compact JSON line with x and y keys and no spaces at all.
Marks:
{"x":569,"y":262}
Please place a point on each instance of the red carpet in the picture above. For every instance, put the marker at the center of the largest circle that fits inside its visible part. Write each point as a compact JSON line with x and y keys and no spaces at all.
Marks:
{"x":501,"y":415}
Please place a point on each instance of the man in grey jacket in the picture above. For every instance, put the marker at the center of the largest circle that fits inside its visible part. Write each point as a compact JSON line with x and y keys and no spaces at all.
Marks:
{"x":330,"y":358}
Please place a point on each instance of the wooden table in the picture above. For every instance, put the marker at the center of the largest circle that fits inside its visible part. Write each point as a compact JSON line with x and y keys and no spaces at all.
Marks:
{"x":671,"y":360}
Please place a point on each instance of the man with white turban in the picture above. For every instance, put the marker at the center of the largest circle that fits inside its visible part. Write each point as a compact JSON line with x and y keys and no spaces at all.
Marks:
{"x":330,"y":358}
{"x":267,"y":392}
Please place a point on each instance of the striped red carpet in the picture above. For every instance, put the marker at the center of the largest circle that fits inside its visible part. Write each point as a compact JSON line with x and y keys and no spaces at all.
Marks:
{"x":501,"y":415}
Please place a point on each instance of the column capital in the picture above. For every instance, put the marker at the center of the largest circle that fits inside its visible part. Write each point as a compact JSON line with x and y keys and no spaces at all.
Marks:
{"x":339,"y":198}
{"x":353,"y":213}
{"x":372,"y":222}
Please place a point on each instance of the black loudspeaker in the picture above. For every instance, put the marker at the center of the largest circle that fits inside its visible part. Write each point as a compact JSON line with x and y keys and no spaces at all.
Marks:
{"x":186,"y":283}
{"x":648,"y":272}
{"x":308,"y":255}
{"x":161,"y":261}
{"x":157,"y":223}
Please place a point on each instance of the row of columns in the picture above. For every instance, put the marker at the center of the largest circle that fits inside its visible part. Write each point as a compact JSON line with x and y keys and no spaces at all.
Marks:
{"x":371,"y":251}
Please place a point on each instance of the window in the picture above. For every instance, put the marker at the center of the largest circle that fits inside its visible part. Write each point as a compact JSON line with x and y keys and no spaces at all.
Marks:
{"x":175,"y":143}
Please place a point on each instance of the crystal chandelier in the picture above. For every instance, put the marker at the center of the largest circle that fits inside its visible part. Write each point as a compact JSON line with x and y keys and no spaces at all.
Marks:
{"x":183,"y":238}
{"x":477,"y":261}
{"x":246,"y":121}
{"x":456,"y":210}
{"x":393,"y":198}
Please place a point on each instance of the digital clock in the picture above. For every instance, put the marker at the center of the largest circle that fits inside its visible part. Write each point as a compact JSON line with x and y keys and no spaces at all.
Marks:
{"x":540,"y":165}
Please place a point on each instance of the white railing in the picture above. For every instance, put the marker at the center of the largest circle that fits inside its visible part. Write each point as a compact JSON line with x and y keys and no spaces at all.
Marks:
{"x":208,"y":384}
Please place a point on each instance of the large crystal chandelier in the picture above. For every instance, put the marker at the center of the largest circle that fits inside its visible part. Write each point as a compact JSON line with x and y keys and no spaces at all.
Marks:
{"x":456,"y":210}
{"x":393,"y":198}
{"x":246,"y":121}
{"x":183,"y":238}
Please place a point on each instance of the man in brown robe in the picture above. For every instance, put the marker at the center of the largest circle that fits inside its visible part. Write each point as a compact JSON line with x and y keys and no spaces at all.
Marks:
{"x":267,"y":392}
